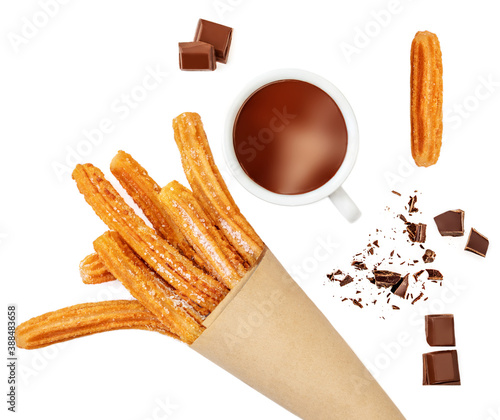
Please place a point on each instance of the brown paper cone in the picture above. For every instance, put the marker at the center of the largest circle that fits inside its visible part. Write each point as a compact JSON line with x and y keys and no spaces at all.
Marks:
{"x":269,"y":334}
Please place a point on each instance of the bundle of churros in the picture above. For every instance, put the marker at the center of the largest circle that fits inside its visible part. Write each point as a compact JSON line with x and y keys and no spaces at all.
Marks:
{"x":179,"y":270}
{"x":202,"y":275}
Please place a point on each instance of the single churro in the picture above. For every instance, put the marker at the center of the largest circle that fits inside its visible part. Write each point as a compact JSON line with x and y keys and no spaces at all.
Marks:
{"x":426,"y":107}
{"x":86,"y":319}
{"x":210,"y":189}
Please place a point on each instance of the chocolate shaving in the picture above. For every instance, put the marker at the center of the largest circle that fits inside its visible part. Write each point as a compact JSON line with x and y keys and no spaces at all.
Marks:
{"x":395,"y":192}
{"x":411,"y":204}
{"x":417,"y":298}
{"x":359,"y":265}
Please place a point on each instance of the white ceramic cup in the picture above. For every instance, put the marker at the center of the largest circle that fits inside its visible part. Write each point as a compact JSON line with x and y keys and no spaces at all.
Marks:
{"x":331,"y":189}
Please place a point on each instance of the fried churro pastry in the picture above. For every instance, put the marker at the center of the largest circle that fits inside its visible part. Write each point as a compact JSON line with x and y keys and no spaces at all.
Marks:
{"x":93,"y":271}
{"x":224,"y":262}
{"x":191,"y":282}
{"x":148,"y":288}
{"x":144,"y":191}
{"x":86,"y":319}
{"x":210,"y":189}
{"x":426,"y":99}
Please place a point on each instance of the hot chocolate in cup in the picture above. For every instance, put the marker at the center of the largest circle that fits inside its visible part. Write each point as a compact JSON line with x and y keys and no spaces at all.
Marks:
{"x":292,"y":139}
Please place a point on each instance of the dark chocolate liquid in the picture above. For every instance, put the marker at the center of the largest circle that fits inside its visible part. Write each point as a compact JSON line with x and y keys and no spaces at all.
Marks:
{"x":290,"y":137}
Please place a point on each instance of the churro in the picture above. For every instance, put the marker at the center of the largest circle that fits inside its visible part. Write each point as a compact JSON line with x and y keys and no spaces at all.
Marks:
{"x":426,"y":108}
{"x":93,"y":271}
{"x":191,"y":282}
{"x":211,"y":190}
{"x":224,"y":262}
{"x":148,"y":288}
{"x":144,"y":191}
{"x":86,"y":319}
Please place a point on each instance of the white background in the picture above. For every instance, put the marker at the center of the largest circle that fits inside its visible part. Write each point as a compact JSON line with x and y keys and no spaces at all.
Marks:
{"x":65,"y":79}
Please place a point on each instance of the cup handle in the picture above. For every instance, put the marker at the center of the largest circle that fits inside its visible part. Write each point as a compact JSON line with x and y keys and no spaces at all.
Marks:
{"x":345,"y":205}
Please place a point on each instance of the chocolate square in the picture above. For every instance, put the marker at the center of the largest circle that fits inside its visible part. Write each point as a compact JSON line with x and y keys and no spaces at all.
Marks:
{"x":441,"y":368}
{"x":451,"y":223}
{"x":218,"y":35}
{"x":440,"y":330}
{"x":196,"y":56}
{"x":477,"y":243}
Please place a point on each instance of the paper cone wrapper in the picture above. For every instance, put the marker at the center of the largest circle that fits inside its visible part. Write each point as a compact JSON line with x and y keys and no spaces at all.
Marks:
{"x":269,"y":334}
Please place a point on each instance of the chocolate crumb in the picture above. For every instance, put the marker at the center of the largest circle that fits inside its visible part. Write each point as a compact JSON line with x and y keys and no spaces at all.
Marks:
{"x":395,"y":307}
{"x":357,"y":303}
{"x":395,"y":192}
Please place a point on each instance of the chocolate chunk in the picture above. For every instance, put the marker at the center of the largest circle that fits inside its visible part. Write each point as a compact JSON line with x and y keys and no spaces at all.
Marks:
{"x":370,"y":251}
{"x":416,"y":232}
{"x":196,"y":56}
{"x":395,"y":192}
{"x":384,"y":278}
{"x":477,"y":243}
{"x":441,"y":368}
{"x":400,"y":288}
{"x":395,"y":307}
{"x":217,"y":35}
{"x":429,"y":256}
{"x":348,"y":279}
{"x":376,"y":243}
{"x":359,"y":265}
{"x":411,"y":204}
{"x":434,"y":274}
{"x":451,"y":223}
{"x":440,"y":330}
